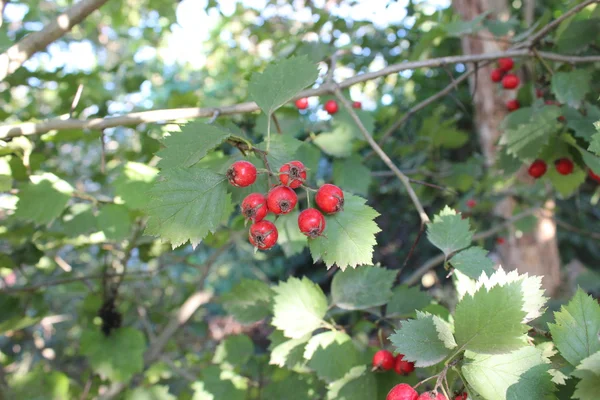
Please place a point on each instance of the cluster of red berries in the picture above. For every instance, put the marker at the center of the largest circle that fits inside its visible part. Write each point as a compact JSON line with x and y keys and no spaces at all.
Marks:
{"x":331,"y":106}
{"x":404,"y":391}
{"x":509,"y":81}
{"x":564,"y":166}
{"x":280,"y":200}
{"x":384,"y":360}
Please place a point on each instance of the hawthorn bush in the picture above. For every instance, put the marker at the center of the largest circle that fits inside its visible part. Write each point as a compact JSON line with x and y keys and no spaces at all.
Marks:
{"x":245,"y":250}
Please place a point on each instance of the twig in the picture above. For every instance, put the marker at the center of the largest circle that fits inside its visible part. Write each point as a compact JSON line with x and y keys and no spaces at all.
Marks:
{"x":277,"y":126}
{"x":76,"y":99}
{"x":214,"y":117}
{"x":544,"y":63}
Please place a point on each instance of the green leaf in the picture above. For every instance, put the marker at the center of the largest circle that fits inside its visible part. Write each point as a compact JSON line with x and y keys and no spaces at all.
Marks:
{"x":337,"y":143}
{"x":234,"y":351}
{"x":582,"y":125}
{"x":116,"y":357}
{"x":352,"y":175}
{"x":578,"y":35}
{"x":589,"y":374}
{"x":155,"y":392}
{"x":502,"y":376}
{"x":44,"y":199}
{"x":595,"y":144}
{"x":331,"y":355}
{"x":472,"y":262}
{"x":287,"y":352}
{"x":81,"y":221}
{"x":490,"y":321}
{"x":362,"y":288}
{"x":357,"y":384}
{"x":218,"y":384}
{"x":282,"y":150}
{"x":133,"y":183}
{"x":281,"y":81}
{"x":293,"y":387}
{"x":350,"y":236}
{"x":460,"y":28}
{"x":17,"y":322}
{"x":500,"y":28}
{"x":187,"y":204}
{"x":40,"y":385}
{"x":571,"y":87}
{"x":556,"y":149}
{"x":589,"y":159}
{"x":441,"y":131}
{"x":299,"y":307}
{"x":406,"y":301}
{"x":449,"y":232}
{"x":5,"y":175}
{"x":577,"y":326}
{"x":186,"y":148}
{"x":291,"y":240}
{"x":249,"y":301}
{"x":114,"y":221}
{"x":420,"y":340}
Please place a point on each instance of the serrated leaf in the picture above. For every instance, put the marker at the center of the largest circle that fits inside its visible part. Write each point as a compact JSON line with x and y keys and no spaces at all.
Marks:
{"x":217,"y":384}
{"x":582,"y":125}
{"x":156,"y":392}
{"x":406,"y":300}
{"x":449,"y":232}
{"x":578,"y":35}
{"x":353,"y":289}
{"x":291,"y":240}
{"x":281,"y":81}
{"x":441,"y":131}
{"x":350,"y":174}
{"x":116,"y":357}
{"x":420,"y":342}
{"x":287,"y":352}
{"x":571,"y":87}
{"x":44,"y":199}
{"x":331,"y":355}
{"x":472,"y":262}
{"x":299,"y":307}
{"x":589,"y":159}
{"x":595,"y":144}
{"x":133,"y":183}
{"x":589,"y":374}
{"x":234,"y":351}
{"x":357,"y":384}
{"x":350,"y":235}
{"x":114,"y":221}
{"x":577,"y":327}
{"x":248,"y":301}
{"x":186,"y":148}
{"x":187,"y":204}
{"x":281,"y":151}
{"x":292,"y":387}
{"x":490,"y":321}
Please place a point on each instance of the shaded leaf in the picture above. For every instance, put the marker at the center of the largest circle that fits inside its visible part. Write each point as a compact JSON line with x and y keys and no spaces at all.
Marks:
{"x":248,"y":301}
{"x":357,"y":384}
{"x":472,"y":262}
{"x":114,"y":221}
{"x":449,"y":232}
{"x":331,"y":355}
{"x":352,"y":175}
{"x":44,"y":199}
{"x":406,"y":300}
{"x":571,"y":87}
{"x":362,"y":288}
{"x":234,"y":351}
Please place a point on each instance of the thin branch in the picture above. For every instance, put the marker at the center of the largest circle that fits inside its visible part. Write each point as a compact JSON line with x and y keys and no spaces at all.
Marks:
{"x":76,"y":99}
{"x":22,"y":51}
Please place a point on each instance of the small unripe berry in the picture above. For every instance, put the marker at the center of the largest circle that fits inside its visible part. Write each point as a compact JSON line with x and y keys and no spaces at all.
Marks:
{"x":506,"y":64}
{"x":432,"y":396}
{"x":537,"y":169}
{"x":263,"y":235}
{"x":403,"y":367}
{"x":402,"y":391}
{"x":311,"y":222}
{"x":357,"y":105}
{"x":281,"y":200}
{"x":331,"y":106}
{"x":292,"y":174}
{"x":594,"y":176}
{"x":510,"y":81}
{"x":462,"y":396}
{"x":241,"y":173}
{"x":302,"y":103}
{"x":384,"y":360}
{"x":471,"y":203}
{"x":513,"y":105}
{"x":564,"y":166}
{"x":496,"y":75}
{"x":254,"y":207}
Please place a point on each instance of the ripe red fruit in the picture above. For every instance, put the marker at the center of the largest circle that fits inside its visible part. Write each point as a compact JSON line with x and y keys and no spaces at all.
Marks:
{"x":402,"y":391}
{"x":432,"y":396}
{"x":241,"y":173}
{"x":496,"y":75}
{"x":594,"y":176}
{"x":254,"y":207}
{"x":383,"y":359}
{"x":263,"y":235}
{"x":471,"y":203}
{"x":357,"y":104}
{"x":564,"y":166}
{"x":506,"y":64}
{"x":292,"y":174}
{"x":500,"y":240}
{"x":513,"y":105}
{"x":537,"y":169}
{"x":330,"y":198}
{"x":331,"y":106}
{"x":462,"y":396}
{"x":510,"y":81}
{"x":281,"y":200}
{"x":538,"y":93}
{"x":403,"y":367}
{"x":312,"y":223}
{"x":302,"y":103}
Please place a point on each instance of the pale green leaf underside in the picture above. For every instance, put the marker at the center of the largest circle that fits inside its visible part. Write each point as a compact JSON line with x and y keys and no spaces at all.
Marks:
{"x":589,"y":374}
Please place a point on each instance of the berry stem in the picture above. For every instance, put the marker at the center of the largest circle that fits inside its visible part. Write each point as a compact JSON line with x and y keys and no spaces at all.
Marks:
{"x":306,"y":188}
{"x":544,"y":63}
{"x":268,"y":132}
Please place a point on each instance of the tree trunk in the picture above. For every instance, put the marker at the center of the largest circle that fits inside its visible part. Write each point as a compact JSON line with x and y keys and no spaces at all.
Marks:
{"x":534,"y":252}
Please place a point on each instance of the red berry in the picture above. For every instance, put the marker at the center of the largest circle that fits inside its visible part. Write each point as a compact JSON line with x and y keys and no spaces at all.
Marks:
{"x":594,"y":176}
{"x":263,"y":235}
{"x":538,"y":93}
{"x":506,"y":64}
{"x":281,"y":200}
{"x":330,"y":198}
{"x":402,"y":391}
{"x":357,"y":104}
{"x":513,"y":105}
{"x":500,"y":240}
{"x":292,"y":174}
{"x":241,"y":173}
{"x":496,"y":75}
{"x":564,"y":166}
{"x":331,"y":106}
{"x":302,"y":103}
{"x":403,"y":367}
{"x":432,"y":396}
{"x":462,"y":396}
{"x":383,"y":359}
{"x":510,"y":81}
{"x":311,"y":222}
{"x":254,"y":207}
{"x":471,"y":203}
{"x":537,"y":169}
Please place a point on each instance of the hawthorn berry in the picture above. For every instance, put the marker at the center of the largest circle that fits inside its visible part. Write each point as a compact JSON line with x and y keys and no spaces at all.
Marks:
{"x":506,"y":64}
{"x":331,"y":106}
{"x":564,"y":166}
{"x":357,"y":105}
{"x":292,"y":174}
{"x":241,"y":173}
{"x":537,"y":169}
{"x":254,"y":207}
{"x":281,"y":200}
{"x":538,"y":93}
{"x":471,"y":203}
{"x":432,"y":396}
{"x":513,"y":105}
{"x":496,"y":75}
{"x":500,"y":241}
{"x":403,"y":367}
{"x":402,"y":391}
{"x":312,"y":223}
{"x":384,"y":360}
{"x":462,"y":396}
{"x":263,"y":235}
{"x":594,"y":176}
{"x":510,"y":81}
{"x":302,"y":103}
{"x":330,"y":198}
